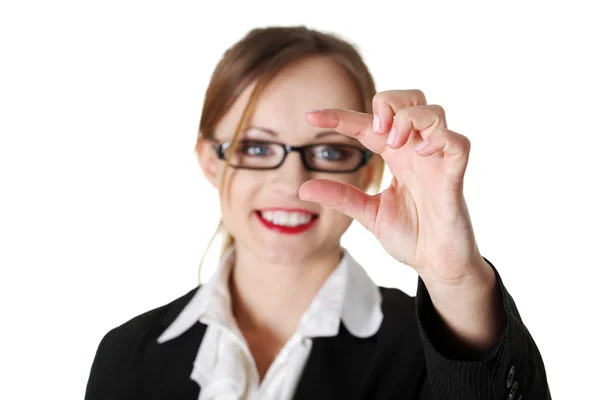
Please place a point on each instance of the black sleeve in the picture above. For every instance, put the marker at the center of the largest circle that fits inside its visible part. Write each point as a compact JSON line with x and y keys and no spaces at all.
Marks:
{"x":513,"y":366}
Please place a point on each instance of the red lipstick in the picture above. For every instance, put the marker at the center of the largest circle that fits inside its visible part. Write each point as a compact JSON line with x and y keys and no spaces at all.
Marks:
{"x":290,"y":230}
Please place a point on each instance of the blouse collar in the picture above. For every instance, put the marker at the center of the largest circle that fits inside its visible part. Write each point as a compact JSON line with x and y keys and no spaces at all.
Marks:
{"x":348,"y":295}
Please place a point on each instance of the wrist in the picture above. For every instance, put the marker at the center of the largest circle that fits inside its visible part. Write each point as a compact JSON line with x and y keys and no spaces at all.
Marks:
{"x":471,"y":311}
{"x":480,"y":278}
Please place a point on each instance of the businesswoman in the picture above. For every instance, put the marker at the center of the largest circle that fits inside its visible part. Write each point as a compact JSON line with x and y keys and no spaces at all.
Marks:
{"x":295,"y":138}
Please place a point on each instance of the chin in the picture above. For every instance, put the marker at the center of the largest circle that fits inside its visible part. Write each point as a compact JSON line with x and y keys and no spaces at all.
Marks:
{"x":287,"y":253}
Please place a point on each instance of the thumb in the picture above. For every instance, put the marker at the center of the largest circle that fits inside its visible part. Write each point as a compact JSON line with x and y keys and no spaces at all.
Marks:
{"x":344,"y":198}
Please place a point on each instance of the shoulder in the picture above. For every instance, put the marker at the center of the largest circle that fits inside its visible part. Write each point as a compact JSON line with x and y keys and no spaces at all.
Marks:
{"x":146,"y":325}
{"x":122,"y":350}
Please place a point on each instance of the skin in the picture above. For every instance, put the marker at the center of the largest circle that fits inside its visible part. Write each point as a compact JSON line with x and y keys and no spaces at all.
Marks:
{"x":292,"y":267}
{"x":421,"y":220}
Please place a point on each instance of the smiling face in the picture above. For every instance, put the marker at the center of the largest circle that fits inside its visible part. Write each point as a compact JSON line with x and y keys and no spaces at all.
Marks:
{"x":261,"y":208}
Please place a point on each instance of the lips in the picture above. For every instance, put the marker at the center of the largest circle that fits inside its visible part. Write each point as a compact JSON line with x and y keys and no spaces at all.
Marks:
{"x":287,"y":220}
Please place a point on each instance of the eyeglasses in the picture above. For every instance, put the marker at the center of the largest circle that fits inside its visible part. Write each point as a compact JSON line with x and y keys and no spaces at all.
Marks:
{"x":266,"y":155}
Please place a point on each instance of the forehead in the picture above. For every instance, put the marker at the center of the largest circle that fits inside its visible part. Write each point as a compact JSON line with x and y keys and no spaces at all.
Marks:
{"x":309,"y":84}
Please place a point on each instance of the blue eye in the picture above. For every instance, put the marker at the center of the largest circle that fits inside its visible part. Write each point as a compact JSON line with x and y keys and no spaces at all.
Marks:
{"x":254,"y":149}
{"x":329,"y":153}
{"x":258,"y":150}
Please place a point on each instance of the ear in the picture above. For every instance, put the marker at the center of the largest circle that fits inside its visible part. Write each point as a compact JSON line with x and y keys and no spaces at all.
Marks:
{"x":207,"y":159}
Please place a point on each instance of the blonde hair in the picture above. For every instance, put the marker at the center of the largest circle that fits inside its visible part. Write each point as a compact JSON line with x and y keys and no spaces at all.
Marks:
{"x":257,"y":58}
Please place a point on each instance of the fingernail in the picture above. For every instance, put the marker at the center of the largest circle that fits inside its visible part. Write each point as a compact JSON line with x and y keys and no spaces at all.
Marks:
{"x":392,"y":137}
{"x":376,"y":123}
{"x":421,"y":145}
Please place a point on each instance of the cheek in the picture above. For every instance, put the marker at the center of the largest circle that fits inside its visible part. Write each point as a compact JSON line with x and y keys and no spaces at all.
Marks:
{"x":355,"y":179}
{"x":237,"y":196}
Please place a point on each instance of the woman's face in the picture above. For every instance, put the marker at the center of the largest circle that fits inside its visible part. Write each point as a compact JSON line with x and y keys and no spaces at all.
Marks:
{"x":261,"y":209}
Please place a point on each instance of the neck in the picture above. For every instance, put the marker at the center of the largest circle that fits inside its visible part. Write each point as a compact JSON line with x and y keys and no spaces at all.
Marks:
{"x":271,"y":297}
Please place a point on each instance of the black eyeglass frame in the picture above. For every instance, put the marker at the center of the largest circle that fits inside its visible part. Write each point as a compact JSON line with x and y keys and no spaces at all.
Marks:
{"x":221,"y":150}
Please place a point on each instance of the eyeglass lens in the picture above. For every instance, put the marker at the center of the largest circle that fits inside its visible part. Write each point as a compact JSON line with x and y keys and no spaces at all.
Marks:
{"x":325,"y":157}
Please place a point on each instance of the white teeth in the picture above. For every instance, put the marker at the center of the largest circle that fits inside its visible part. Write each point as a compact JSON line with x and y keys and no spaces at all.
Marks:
{"x":285,"y":218}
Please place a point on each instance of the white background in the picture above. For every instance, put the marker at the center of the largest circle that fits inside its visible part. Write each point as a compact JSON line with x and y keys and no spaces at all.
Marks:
{"x":104,"y":213}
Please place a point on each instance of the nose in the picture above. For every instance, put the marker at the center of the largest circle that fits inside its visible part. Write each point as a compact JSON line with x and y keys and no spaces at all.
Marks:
{"x":292,"y":173}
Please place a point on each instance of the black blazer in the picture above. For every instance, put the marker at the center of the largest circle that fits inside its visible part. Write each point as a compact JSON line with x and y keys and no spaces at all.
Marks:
{"x":405,"y":359}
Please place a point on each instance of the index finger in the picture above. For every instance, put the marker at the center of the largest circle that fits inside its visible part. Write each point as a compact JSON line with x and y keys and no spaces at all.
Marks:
{"x":353,"y":124}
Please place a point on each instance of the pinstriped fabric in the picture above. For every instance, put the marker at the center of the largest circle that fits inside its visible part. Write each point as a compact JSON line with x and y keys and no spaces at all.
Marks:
{"x":453,"y":379}
{"x":483,"y":378}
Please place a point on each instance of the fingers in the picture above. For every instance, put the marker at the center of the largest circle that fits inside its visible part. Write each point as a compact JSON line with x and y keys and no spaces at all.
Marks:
{"x":350,"y":123}
{"x":363,"y":126}
{"x":425,"y":119}
{"x":450,"y":142}
{"x":344,"y":198}
{"x":358,"y":125}
{"x":455,"y":148}
{"x":387,"y":103}
{"x":397,"y":114}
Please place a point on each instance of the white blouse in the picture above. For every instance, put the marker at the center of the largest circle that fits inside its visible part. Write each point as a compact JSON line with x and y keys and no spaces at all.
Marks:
{"x":224,"y":367}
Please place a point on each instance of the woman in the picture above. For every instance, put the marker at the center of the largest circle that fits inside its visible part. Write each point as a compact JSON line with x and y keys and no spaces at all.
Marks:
{"x":289,"y":313}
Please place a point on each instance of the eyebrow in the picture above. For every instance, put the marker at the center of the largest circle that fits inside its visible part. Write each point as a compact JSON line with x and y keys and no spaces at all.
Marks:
{"x":275,"y":134}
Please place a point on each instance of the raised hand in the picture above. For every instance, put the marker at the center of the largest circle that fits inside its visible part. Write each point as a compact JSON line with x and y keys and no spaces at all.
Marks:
{"x":421,"y":219}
